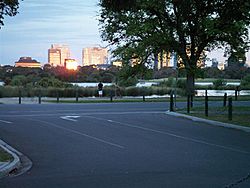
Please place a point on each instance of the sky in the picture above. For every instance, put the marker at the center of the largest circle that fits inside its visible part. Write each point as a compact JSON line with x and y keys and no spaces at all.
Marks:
{"x":42,"y":23}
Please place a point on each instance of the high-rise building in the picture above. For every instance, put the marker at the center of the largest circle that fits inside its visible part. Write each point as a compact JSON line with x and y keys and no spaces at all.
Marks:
{"x":94,"y":56}
{"x":57,"y":54}
{"x":27,"y":62}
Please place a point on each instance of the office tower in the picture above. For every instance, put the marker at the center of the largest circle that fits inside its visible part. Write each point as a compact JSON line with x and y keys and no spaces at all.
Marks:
{"x":27,"y":62}
{"x":57,"y":54}
{"x":94,"y":56}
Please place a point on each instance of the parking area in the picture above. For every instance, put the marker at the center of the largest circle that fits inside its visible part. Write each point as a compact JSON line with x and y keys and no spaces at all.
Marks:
{"x":121,"y":145}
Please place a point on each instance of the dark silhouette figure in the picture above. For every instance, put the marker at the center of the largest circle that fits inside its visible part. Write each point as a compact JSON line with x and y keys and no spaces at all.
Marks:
{"x":100,"y":86}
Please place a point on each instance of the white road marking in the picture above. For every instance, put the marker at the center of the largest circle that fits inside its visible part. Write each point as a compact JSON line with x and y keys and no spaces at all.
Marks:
{"x":70,"y":118}
{"x":83,"y":114}
{"x":82,"y":134}
{"x":8,"y":122}
{"x":172,"y":135}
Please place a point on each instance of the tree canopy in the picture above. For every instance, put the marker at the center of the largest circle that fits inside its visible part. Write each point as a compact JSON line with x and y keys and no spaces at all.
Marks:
{"x":140,"y":28}
{"x":8,"y":8}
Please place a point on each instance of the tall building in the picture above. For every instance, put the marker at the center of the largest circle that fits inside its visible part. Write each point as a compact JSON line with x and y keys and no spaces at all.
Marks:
{"x":94,"y":56}
{"x":27,"y":62}
{"x":57,"y":54}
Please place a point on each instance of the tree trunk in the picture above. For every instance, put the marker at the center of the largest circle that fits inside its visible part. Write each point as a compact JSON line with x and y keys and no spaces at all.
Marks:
{"x":190,"y":83}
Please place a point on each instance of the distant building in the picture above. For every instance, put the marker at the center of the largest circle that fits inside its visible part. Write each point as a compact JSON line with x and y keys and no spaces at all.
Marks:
{"x":221,"y":65}
{"x":162,"y":59}
{"x":70,"y":64}
{"x":215,"y":63}
{"x":117,"y":63}
{"x":27,"y":62}
{"x":94,"y":56}
{"x":57,"y":54}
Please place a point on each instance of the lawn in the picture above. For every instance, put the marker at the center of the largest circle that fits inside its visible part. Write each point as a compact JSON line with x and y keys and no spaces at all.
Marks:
{"x":241,"y":114}
{"x":4,"y":156}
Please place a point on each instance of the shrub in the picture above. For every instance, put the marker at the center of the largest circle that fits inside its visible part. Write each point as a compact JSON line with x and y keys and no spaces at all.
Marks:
{"x":245,"y":83}
{"x":219,"y":83}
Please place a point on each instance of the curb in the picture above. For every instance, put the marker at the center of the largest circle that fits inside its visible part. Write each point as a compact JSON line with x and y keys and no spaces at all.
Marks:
{"x":211,"y":122}
{"x":13,"y":165}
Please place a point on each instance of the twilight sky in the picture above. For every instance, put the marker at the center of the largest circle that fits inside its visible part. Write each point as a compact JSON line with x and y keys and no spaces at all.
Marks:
{"x":42,"y":23}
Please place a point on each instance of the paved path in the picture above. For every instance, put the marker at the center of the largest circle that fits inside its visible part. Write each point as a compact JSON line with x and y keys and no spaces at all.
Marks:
{"x":121,"y":145}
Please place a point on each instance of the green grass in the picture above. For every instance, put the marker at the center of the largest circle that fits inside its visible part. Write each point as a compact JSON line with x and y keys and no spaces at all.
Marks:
{"x":165,"y":99}
{"x":241,"y":114}
{"x":4,"y":156}
{"x":107,"y":100}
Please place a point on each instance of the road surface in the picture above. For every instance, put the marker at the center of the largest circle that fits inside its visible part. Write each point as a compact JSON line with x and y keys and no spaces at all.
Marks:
{"x":125,"y":145}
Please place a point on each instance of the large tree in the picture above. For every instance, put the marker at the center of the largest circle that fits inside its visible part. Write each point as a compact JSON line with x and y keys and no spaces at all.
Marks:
{"x":7,"y":8}
{"x":144,"y":27}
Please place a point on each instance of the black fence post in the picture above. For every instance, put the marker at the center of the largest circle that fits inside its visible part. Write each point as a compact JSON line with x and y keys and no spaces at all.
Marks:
{"x":57,"y":96}
{"x":143,"y":94}
{"x":20,"y":96}
{"x":188,"y":104}
{"x":111,"y":95}
{"x":77,"y":95}
{"x":206,"y":106}
{"x":39,"y":97}
{"x":230,"y":108}
{"x":171,"y":102}
{"x":236,"y":94}
{"x":225,"y":100}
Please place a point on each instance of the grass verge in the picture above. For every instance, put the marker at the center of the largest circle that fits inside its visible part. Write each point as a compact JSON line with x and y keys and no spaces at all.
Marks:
{"x":241,"y":114}
{"x":107,"y":100}
{"x":5,"y":156}
{"x":163,"y":99}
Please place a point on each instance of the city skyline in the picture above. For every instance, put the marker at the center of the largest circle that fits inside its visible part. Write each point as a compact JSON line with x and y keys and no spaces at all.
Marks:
{"x":40,"y":24}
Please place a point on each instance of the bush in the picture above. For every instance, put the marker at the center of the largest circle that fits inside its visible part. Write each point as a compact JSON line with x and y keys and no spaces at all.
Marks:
{"x":10,"y":91}
{"x":181,"y":83}
{"x":219,"y":83}
{"x":245,"y":83}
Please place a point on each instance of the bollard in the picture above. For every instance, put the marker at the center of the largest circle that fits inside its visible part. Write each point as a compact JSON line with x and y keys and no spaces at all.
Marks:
{"x":77,"y":95}
{"x":20,"y":96}
{"x":39,"y":97}
{"x":57,"y":96}
{"x":143,"y":98}
{"x":230,"y":108}
{"x":171,"y":103}
{"x":188,"y":104}
{"x":236,"y":96}
{"x":225,"y":100}
{"x":206,"y":106}
{"x":111,"y":96}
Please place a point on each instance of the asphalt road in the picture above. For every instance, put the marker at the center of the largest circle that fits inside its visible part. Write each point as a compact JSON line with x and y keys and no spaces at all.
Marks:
{"x":132,"y":145}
